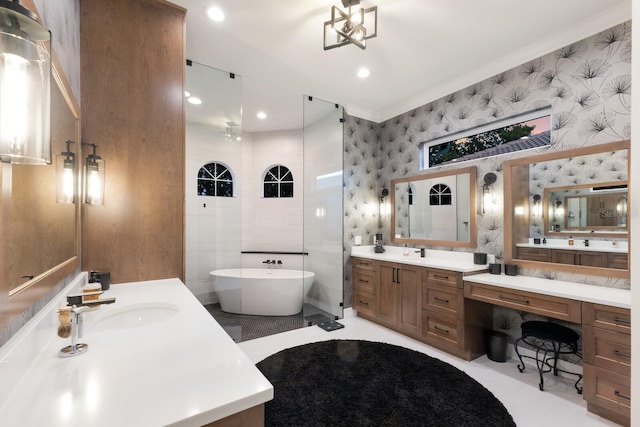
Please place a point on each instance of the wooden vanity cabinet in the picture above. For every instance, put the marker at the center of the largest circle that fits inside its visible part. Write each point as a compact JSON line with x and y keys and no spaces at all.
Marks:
{"x":606,"y":346}
{"x":573,"y":257}
{"x":398,"y":296}
{"x":450,"y":322}
{"x":363,"y":281}
{"x":534,"y":254}
{"x":618,"y":260}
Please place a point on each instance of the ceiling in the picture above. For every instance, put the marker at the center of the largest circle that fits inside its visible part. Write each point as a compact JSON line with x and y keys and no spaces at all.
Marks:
{"x":425,"y":49}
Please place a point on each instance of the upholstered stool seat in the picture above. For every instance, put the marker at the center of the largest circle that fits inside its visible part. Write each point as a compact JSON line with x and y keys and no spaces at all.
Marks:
{"x":549,"y":340}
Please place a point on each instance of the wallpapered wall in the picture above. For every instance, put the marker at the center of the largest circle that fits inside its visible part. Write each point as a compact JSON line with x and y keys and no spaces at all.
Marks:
{"x":588,"y":85}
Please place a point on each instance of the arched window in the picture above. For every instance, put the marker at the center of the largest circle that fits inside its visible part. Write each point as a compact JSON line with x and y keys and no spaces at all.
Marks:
{"x":440,"y":194}
{"x":278,"y":182}
{"x":215,"y":179}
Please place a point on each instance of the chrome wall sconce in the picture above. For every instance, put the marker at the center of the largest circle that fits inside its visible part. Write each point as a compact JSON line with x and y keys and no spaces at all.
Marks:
{"x":487,"y":194}
{"x":66,"y":175}
{"x":25,"y":79}
{"x":536,"y":208}
{"x":94,"y":170}
{"x":352,"y":27}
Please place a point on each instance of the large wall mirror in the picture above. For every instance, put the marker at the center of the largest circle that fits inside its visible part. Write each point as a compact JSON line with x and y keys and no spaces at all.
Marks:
{"x":568,"y":211}
{"x":423,"y":206}
{"x":39,"y":236}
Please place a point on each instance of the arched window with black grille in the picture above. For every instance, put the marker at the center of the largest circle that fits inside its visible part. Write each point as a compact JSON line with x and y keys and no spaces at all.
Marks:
{"x":440,"y":194}
{"x":215,"y":179}
{"x":278,"y":182}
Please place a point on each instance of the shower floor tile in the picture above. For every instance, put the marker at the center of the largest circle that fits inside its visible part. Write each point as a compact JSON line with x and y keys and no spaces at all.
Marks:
{"x":243,"y":327}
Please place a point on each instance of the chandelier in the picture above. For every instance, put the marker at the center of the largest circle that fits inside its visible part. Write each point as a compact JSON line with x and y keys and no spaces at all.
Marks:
{"x":230,"y":133}
{"x":350,"y":27}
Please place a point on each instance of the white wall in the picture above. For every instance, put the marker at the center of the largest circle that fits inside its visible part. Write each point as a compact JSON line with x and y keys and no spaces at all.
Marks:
{"x":272,"y":224}
{"x":213,"y":224}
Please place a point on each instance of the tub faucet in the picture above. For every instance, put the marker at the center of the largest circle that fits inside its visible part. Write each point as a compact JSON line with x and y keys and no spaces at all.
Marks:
{"x":269,"y":261}
{"x":279,"y":262}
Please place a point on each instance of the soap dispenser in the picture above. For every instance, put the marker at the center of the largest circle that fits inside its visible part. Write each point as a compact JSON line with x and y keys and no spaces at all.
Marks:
{"x":406,"y":251}
{"x":570,"y":241}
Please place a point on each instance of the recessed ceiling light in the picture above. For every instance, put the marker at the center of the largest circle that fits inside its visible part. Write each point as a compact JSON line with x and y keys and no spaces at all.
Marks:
{"x":215,"y":14}
{"x":262,"y":115}
{"x":194,"y":100}
{"x":187,"y":94}
{"x":363,"y":73}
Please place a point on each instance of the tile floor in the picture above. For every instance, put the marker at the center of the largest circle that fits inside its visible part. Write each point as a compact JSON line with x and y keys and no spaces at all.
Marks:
{"x":558,"y":405}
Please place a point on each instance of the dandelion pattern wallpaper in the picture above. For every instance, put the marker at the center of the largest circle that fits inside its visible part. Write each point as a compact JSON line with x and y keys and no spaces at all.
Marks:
{"x":588,"y":86}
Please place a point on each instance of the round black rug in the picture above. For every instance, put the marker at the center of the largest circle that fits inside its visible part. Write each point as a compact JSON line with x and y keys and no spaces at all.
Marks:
{"x":363,"y":383}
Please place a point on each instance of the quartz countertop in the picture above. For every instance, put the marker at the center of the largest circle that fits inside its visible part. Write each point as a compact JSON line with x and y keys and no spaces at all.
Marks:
{"x":448,"y":260}
{"x":577,"y":291}
{"x":578,"y":246}
{"x":183,"y":370}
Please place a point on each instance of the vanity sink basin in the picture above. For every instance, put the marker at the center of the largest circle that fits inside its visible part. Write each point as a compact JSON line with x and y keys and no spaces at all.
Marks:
{"x":137,"y":315}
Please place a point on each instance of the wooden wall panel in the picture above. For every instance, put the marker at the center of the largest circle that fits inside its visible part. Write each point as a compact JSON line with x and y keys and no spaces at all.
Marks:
{"x":132,"y":61}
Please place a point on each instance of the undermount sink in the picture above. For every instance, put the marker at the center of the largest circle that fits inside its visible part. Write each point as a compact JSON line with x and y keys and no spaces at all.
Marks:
{"x":137,"y":315}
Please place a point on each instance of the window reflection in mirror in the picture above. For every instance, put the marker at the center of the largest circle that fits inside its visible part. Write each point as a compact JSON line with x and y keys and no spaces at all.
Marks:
{"x":424,"y":206}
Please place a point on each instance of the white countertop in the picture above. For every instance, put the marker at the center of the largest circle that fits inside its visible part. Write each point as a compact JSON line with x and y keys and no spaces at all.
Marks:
{"x":183,"y":370}
{"x":448,"y":260}
{"x":578,"y":246}
{"x":576,"y":291}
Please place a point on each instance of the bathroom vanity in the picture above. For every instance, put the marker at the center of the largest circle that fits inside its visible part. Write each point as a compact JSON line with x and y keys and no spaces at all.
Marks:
{"x":156,"y":357}
{"x":446,"y":301}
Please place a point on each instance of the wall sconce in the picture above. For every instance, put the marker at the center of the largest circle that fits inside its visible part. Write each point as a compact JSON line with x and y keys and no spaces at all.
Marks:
{"x":385,"y":208}
{"x":230,"y":133}
{"x":94,"y":169}
{"x":558,"y":212}
{"x":25,"y":78}
{"x":350,"y":27}
{"x":66,"y":176}
{"x":537,"y":208}
{"x":487,"y":193}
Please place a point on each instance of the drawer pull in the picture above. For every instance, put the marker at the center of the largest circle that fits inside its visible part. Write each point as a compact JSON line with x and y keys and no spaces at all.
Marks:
{"x":446,"y":301}
{"x":617,"y":393}
{"x":520,"y":301}
{"x":438,"y":328}
{"x":619,"y":353}
{"x":621,"y":320}
{"x":364,"y":281}
{"x":438,"y":276}
{"x":363,"y":303}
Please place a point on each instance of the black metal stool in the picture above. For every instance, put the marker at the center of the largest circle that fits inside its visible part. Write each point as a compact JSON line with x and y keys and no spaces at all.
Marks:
{"x":550,"y":340}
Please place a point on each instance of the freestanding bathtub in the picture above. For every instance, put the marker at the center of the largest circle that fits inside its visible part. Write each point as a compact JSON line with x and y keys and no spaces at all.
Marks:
{"x":261,"y":291}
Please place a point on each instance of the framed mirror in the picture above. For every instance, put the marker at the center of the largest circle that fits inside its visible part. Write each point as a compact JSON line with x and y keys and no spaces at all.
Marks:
{"x":568,"y":211}
{"x":594,"y":210}
{"x":40,"y":237}
{"x":422,"y":208}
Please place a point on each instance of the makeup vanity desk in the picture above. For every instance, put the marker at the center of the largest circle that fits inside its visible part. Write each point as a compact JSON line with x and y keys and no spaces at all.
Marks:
{"x":605,"y":316}
{"x":447,"y":302}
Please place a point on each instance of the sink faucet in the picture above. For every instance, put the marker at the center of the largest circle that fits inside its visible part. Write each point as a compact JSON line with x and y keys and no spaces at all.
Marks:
{"x":422,"y":252}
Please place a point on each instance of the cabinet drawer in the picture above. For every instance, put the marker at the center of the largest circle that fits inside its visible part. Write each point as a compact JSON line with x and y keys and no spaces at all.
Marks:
{"x":608,"y":390}
{"x":534,"y":254}
{"x":607,"y":349}
{"x":607,"y":317}
{"x":442,"y":277}
{"x":363,"y":264}
{"x":364,"y":303}
{"x":443,"y":299}
{"x":364,"y":280}
{"x":616,"y":260}
{"x":546,"y":305}
{"x":441,"y":328}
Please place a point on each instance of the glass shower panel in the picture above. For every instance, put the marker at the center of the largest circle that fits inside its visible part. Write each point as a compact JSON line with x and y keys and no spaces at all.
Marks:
{"x":213,"y":166}
{"x":323,"y":210}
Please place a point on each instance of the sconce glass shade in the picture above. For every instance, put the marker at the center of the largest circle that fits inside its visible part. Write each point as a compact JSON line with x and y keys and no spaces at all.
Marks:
{"x":66,"y":178}
{"x":25,"y":78}
{"x":94,"y":172}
